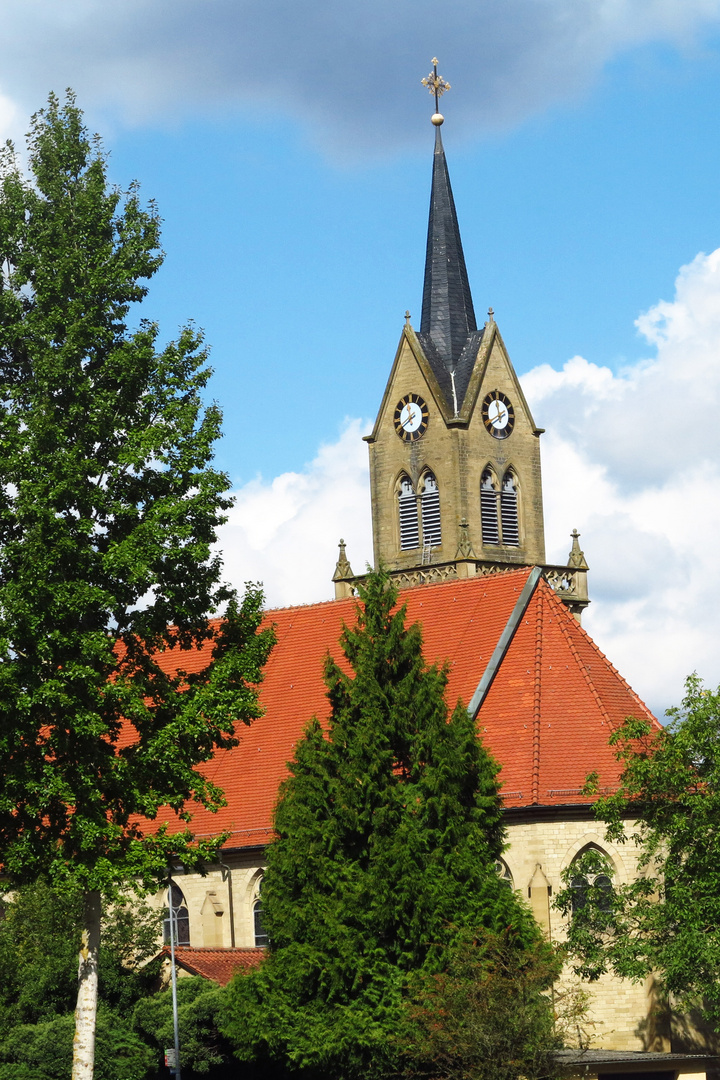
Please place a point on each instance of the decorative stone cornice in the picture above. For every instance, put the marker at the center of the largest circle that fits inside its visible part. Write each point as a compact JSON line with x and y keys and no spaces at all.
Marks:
{"x":568,"y":582}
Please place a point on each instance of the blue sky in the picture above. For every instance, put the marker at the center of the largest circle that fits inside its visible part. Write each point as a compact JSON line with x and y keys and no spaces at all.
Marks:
{"x":299,"y":263}
{"x":289,"y":149}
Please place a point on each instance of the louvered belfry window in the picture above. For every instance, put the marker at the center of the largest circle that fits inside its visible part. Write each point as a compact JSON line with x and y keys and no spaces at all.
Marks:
{"x":408,"y":509}
{"x":489,"y":509}
{"x":509,"y":511}
{"x":430,"y":510}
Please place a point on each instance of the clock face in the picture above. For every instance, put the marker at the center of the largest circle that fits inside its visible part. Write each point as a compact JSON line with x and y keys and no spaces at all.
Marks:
{"x":498,"y":415}
{"x":411,"y":418}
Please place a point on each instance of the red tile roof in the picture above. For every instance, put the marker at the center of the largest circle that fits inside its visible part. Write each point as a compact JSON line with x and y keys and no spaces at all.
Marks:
{"x":217,"y":964}
{"x":546,"y":718}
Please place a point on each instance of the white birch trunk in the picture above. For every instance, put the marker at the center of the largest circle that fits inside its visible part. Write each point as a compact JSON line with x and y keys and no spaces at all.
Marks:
{"x":86,"y":1010}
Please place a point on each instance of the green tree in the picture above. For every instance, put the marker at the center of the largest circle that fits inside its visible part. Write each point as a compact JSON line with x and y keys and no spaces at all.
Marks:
{"x":38,"y":968}
{"x":203,"y":1050}
{"x":38,"y":954}
{"x":109,"y":507}
{"x":488,"y":1016}
{"x":667,"y":921}
{"x":44,"y":1051}
{"x":388,"y":831}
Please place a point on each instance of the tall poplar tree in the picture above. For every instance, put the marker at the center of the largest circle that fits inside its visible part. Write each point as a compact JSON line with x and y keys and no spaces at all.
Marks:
{"x":108,"y":512}
{"x":389,"y":828}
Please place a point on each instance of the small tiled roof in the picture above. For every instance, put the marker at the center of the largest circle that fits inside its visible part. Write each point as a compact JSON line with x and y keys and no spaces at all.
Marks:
{"x":217,"y":964}
{"x":546,"y":718}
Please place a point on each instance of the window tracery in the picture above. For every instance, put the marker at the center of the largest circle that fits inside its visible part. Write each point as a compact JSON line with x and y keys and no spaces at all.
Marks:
{"x":180,"y":918}
{"x":582,"y":881}
{"x":261,"y":937}
{"x":503,"y":872}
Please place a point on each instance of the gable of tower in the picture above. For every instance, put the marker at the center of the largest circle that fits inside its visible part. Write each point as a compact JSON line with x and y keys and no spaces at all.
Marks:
{"x":492,"y":369}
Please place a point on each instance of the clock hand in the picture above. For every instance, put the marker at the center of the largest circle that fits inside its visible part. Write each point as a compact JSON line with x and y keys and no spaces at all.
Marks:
{"x":410,"y":416}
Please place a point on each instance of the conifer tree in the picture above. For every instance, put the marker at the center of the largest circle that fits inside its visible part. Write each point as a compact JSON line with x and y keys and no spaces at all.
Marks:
{"x":109,"y":507}
{"x":389,"y":827}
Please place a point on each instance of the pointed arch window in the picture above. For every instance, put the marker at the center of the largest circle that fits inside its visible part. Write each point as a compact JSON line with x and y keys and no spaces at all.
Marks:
{"x":503,"y":872}
{"x":261,"y":938}
{"x":489,"y":508}
{"x":593,"y":876}
{"x":509,"y":511}
{"x":408,"y":511}
{"x":430,"y":512}
{"x":180,"y":917}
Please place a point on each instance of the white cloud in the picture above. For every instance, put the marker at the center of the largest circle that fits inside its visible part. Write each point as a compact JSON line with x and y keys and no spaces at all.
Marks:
{"x":630,"y":459}
{"x":285,"y":532}
{"x":633,"y":461}
{"x":350,"y":72}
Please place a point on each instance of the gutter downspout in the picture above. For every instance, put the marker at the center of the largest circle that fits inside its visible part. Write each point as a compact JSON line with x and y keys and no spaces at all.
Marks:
{"x":227,"y":873}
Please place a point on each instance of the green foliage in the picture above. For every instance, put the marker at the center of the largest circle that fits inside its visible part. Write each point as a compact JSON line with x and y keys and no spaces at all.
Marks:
{"x":108,"y":512}
{"x":666,"y":922}
{"x":388,"y":829}
{"x":38,"y":955}
{"x":44,"y":1051}
{"x":38,"y":968}
{"x":203,"y":1051}
{"x":488,"y":1016}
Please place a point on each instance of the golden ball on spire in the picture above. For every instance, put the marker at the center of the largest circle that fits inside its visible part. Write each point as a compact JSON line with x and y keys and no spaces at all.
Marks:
{"x":437,"y":119}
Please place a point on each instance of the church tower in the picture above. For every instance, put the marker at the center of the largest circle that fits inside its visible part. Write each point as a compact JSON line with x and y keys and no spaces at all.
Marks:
{"x":455,"y":452}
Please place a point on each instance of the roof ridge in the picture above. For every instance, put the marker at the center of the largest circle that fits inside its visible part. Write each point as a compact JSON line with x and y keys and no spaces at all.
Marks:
{"x":332,"y":602}
{"x":217,"y":948}
{"x":565,"y":630}
{"x":579,"y":628}
{"x":311,"y":604}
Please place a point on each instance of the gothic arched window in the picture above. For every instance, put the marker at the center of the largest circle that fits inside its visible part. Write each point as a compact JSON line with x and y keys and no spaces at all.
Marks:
{"x":592,"y":874}
{"x":489,"y":508}
{"x":509,"y":511}
{"x":180,"y":918}
{"x":408,"y":511}
{"x":430,"y":512}
{"x":261,"y":938}
{"x":503,"y":872}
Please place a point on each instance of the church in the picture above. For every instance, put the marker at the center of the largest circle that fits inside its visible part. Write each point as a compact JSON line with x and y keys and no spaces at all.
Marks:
{"x":457,"y":514}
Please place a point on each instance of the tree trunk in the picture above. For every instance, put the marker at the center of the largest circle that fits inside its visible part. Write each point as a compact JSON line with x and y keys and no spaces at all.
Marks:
{"x":86,"y":1009}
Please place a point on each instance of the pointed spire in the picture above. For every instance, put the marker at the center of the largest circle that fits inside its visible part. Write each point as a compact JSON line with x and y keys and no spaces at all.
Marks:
{"x":343,"y":576}
{"x":447,"y":310}
{"x":343,"y":569}
{"x":576,"y":558}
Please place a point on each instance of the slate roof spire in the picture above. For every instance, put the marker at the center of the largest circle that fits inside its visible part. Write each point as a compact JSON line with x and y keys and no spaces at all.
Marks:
{"x":448,"y":318}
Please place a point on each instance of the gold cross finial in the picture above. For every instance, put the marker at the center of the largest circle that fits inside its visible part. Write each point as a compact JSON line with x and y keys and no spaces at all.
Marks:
{"x":437,"y":86}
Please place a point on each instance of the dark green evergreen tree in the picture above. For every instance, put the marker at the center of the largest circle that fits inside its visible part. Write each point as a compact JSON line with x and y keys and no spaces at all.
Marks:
{"x":389,"y":827}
